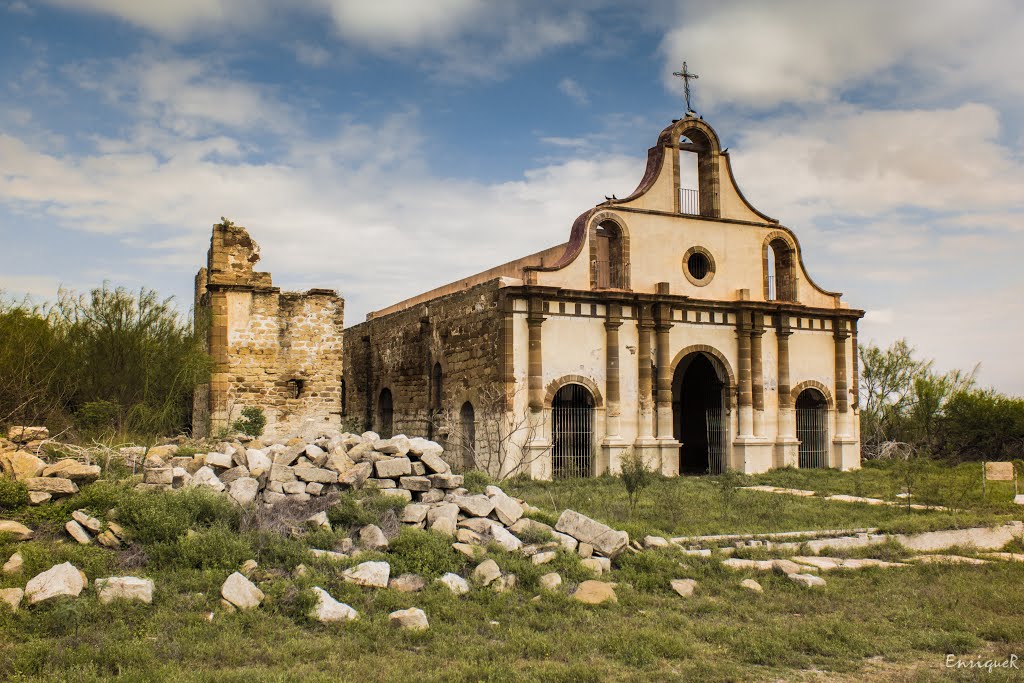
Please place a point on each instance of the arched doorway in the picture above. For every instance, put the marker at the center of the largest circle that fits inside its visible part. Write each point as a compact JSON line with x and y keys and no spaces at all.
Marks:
{"x":385,"y":414}
{"x":467,"y":428}
{"x":699,"y":417}
{"x":812,"y":428}
{"x":572,"y":429}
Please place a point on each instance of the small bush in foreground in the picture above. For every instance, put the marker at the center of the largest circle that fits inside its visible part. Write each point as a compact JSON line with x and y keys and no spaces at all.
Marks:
{"x":13,"y":494}
{"x":422,"y":552}
{"x":252,"y":422}
{"x":164,"y":517}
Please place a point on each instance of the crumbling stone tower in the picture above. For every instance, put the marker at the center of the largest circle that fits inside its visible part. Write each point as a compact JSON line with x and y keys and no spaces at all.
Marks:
{"x":280,"y":351}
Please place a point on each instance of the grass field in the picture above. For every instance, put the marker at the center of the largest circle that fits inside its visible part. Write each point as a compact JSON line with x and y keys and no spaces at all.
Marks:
{"x":896,"y":624}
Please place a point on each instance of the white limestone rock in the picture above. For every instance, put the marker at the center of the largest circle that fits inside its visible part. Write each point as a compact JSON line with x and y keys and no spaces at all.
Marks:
{"x":434,"y":462}
{"x":59,"y":580}
{"x":655,"y":542}
{"x":12,"y":596}
{"x":808,"y":580}
{"x":14,"y":564}
{"x":243,"y":491}
{"x":319,"y":475}
{"x":507,"y":510}
{"x":414,"y":513}
{"x":220,"y":460}
{"x":241,"y":592}
{"x":205,"y":478}
{"x":751,"y":585}
{"x":455,"y":583}
{"x":475,"y":506}
{"x":486,"y":572}
{"x":328,"y":610}
{"x":17,"y":530}
{"x":393,"y":467}
{"x":78,"y":532}
{"x":551,"y":582}
{"x":396,"y":445}
{"x":505,"y":539}
{"x":372,"y":538}
{"x":684,"y":587}
{"x":257,"y":461}
{"x":124,"y":588}
{"x":57,"y":486}
{"x":412,"y":619}
{"x":370,"y":574}
{"x":543,"y":558}
{"x":606,"y":540}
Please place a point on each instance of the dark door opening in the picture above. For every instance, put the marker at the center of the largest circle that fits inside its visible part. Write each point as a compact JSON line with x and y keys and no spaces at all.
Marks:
{"x":572,"y":421}
{"x":385,"y":414}
{"x":812,"y":428}
{"x":699,"y":419}
{"x":467,"y":425}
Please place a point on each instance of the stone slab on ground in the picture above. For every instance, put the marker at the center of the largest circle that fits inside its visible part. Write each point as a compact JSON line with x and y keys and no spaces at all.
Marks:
{"x":124,"y":588}
{"x":57,"y":581}
{"x":369,"y":574}
{"x":595,"y":592}
{"x":606,"y":540}
{"x":412,"y":619}
{"x":328,"y":610}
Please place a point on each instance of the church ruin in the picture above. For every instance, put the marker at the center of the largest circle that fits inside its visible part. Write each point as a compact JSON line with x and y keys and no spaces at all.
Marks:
{"x":679,"y":323}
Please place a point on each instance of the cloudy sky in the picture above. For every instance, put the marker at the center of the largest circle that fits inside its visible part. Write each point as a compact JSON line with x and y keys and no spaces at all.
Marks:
{"x":383,"y":147}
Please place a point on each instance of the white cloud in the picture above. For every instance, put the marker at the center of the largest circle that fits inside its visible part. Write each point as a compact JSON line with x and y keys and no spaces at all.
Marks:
{"x":178,"y":19}
{"x":792,"y":51}
{"x":311,"y":54}
{"x":19,"y":7}
{"x":398,"y":23}
{"x":574,"y":91}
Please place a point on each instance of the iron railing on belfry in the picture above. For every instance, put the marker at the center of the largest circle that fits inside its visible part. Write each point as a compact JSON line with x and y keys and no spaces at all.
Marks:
{"x":609,"y":275}
{"x":689,"y":201}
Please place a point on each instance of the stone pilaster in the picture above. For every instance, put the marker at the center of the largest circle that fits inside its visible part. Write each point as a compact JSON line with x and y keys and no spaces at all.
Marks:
{"x":845,"y":451}
{"x":746,"y":393}
{"x":535,"y":365}
{"x":757,"y":373}
{"x":645,"y":419}
{"x":787,"y":448}
{"x":667,"y":445}
{"x":613,"y":444}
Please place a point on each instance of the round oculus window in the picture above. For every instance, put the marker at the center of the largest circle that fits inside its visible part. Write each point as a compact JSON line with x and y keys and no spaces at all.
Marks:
{"x":698,"y":266}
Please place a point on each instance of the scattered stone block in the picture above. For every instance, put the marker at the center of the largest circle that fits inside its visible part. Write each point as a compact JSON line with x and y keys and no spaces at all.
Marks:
{"x":398,"y":493}
{"x":504,"y":538}
{"x":219,"y":460}
{"x":412,"y":619}
{"x":12,"y":596}
{"x":585,"y":550}
{"x":58,"y":581}
{"x":393,"y":467}
{"x":408,"y":583}
{"x":23,"y":465}
{"x":505,"y":583}
{"x":124,"y":588}
{"x":78,"y":472}
{"x":414,"y":513}
{"x":551,"y":582}
{"x":56,"y":486}
{"x":475,"y":506}
{"x":17,"y":530}
{"x":455,"y":583}
{"x":14,"y":564}
{"x":206,"y":478}
{"x":594,"y":593}
{"x":655,"y":542}
{"x":370,"y":574}
{"x":486,"y":572}
{"x":241,"y":592}
{"x":328,"y":610}
{"x":684,"y":587}
{"x":445,"y":481}
{"x":78,"y":532}
{"x":39,"y":497}
{"x":317,"y":474}
{"x":543,"y":558}
{"x":24,"y":434}
{"x":158,"y":475}
{"x":808,"y":580}
{"x":507,"y":510}
{"x":435,"y":463}
{"x":603,"y":538}
{"x":108,"y":539}
{"x":372,"y":538}
{"x":751,"y":585}
{"x":414,"y":483}
{"x":356,"y":475}
{"x":396,"y":445}
{"x":244,"y":490}
{"x":233,"y":474}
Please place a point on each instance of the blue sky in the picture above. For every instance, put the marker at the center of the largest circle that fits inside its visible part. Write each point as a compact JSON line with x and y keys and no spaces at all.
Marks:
{"x":386,"y":147}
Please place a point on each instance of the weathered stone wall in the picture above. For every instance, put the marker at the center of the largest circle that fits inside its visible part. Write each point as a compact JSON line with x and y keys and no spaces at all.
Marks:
{"x":460,"y":332}
{"x":278,"y":351}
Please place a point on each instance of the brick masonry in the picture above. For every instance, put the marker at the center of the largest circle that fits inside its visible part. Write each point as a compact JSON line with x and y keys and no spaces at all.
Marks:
{"x":280,"y":351}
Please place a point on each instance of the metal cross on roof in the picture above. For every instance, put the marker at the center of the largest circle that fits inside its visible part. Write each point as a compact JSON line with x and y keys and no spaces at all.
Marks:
{"x":686,"y":76}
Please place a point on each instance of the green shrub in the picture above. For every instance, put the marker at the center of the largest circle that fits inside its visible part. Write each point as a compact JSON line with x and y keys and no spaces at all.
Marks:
{"x":378,"y":505}
{"x":166,"y":516}
{"x":476,"y":481}
{"x":636,"y":476}
{"x":532,"y":534}
{"x":415,"y":551}
{"x":217,"y":547}
{"x":252,"y":422}
{"x":13,"y":494}
{"x":98,"y":416}
{"x":348,"y":512}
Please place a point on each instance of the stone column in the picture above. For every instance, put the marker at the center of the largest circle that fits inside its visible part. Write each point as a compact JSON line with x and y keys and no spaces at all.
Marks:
{"x":537,"y":450}
{"x":662,"y":326}
{"x":612,"y":399}
{"x":842,"y":388}
{"x":757,"y":372}
{"x":535,"y":366}
{"x":746,"y":394}
{"x":787,"y":451}
{"x":855,"y":380}
{"x":645,"y":419}
{"x":218,"y":348}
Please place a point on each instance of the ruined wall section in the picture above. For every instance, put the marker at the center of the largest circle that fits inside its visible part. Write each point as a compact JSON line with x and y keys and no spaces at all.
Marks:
{"x":281,"y":352}
{"x":460,"y":331}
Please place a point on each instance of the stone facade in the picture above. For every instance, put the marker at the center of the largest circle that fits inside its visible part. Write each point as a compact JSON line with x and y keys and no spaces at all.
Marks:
{"x":679,"y":323}
{"x":280,"y":351}
{"x":431,"y":359}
